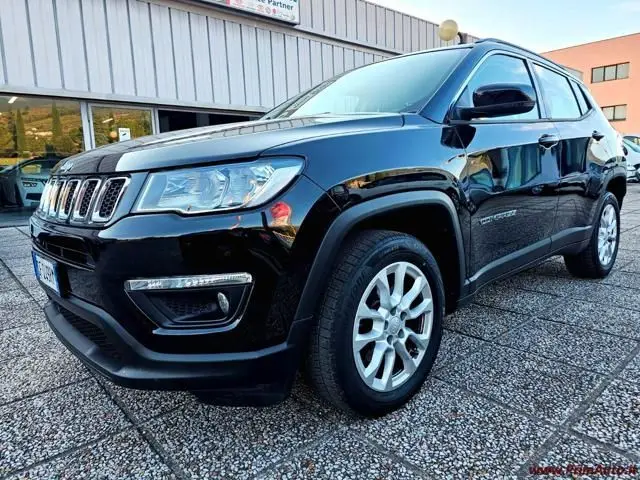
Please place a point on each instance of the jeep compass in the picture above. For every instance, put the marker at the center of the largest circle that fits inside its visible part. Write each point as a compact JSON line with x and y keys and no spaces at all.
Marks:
{"x":331,"y":235}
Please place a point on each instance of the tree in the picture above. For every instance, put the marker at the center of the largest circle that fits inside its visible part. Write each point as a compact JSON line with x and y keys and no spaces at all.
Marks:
{"x":20,"y":140}
{"x":56,"y":128}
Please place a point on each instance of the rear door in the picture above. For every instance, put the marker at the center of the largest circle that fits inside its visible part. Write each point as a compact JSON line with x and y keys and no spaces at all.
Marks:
{"x":582,"y":154}
{"x":511,"y":177}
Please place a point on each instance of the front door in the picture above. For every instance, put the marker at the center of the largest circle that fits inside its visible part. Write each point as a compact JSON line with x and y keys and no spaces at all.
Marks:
{"x":511,"y":178}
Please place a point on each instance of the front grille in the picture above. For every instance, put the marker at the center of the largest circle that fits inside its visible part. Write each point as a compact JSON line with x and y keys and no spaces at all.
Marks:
{"x":110,"y":196}
{"x":86,"y":200}
{"x":69,"y":248}
{"x":91,"y":332}
{"x":72,"y":186}
{"x":33,"y":196}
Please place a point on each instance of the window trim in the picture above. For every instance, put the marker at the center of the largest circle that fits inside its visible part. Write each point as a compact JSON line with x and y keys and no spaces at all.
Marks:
{"x":540,"y":105}
{"x":604,"y":69}
{"x":569,"y":79}
{"x":575,"y":87}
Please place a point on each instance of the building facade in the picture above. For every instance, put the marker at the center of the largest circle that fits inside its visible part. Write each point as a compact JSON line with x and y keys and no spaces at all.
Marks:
{"x":611,"y":69}
{"x":77,"y":74}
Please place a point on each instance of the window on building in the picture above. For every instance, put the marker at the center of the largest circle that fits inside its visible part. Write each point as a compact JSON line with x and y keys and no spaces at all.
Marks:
{"x":36,"y":127}
{"x":115,"y":124}
{"x":615,"y":112}
{"x":499,"y":69}
{"x":557,"y":93}
{"x":610,"y":72}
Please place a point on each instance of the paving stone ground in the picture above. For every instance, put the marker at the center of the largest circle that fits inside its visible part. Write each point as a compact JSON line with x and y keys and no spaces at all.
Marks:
{"x":542,"y":370}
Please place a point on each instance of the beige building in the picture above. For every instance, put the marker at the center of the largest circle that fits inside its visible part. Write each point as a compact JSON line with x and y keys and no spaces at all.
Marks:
{"x":611,"y":69}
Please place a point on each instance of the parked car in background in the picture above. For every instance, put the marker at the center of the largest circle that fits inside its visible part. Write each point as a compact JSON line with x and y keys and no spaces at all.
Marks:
{"x":633,"y":138}
{"x":333,"y":233}
{"x":22,"y":184}
{"x":633,"y":159}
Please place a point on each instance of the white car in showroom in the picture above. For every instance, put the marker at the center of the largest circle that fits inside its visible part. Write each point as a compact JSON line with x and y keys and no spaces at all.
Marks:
{"x":22,"y":184}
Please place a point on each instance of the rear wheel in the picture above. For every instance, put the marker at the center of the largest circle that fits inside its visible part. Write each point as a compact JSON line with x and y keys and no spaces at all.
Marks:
{"x":596,"y":261}
{"x":379,"y":325}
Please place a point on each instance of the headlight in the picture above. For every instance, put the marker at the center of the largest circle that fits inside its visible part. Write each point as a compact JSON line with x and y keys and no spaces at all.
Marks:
{"x":218,"y":187}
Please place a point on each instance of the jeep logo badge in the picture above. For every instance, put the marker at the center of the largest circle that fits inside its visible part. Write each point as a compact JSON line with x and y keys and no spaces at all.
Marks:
{"x":66,"y":167}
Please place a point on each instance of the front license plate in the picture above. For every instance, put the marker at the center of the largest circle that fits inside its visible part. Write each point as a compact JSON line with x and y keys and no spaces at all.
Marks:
{"x":46,"y":272}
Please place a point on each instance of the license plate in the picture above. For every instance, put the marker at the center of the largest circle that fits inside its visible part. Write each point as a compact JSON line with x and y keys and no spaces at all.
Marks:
{"x":46,"y":272}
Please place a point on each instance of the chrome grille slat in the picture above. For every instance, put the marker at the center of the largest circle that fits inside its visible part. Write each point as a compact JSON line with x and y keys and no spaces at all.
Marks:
{"x":108,"y":198}
{"x":88,"y":190}
{"x":90,"y":200}
{"x":53,"y":198}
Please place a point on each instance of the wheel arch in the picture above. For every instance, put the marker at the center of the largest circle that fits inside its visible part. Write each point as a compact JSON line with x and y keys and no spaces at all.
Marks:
{"x":386,"y":213}
{"x":618,"y":186}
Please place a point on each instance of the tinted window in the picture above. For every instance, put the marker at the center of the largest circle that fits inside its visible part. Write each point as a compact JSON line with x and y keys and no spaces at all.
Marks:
{"x":582,"y":102}
{"x":499,"y":69}
{"x":402,"y":84}
{"x":558,"y":97}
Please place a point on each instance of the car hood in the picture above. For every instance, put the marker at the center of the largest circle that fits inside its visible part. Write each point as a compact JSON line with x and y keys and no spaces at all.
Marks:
{"x":218,"y":143}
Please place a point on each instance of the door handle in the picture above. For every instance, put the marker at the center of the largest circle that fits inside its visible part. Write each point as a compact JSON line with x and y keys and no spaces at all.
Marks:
{"x":597,"y":135}
{"x":548,"y":140}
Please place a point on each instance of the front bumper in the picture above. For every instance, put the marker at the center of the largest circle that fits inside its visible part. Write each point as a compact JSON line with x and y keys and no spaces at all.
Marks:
{"x":100,"y":342}
{"x":121,"y":334}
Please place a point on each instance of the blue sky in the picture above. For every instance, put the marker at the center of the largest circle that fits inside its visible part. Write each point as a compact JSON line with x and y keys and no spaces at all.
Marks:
{"x":540,"y":25}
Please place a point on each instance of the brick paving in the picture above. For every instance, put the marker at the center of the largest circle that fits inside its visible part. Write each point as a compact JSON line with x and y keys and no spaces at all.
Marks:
{"x":543,"y":369}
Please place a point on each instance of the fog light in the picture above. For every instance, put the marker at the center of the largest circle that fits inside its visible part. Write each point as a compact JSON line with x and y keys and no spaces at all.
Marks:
{"x":194,"y":281}
{"x":223,"y":302}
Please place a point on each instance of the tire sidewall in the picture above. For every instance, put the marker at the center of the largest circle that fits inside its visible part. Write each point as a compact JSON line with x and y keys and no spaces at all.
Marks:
{"x":604,"y":270}
{"x":357,"y":393}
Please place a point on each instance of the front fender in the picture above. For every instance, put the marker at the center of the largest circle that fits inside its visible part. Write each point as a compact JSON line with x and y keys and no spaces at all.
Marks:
{"x":348,"y":220}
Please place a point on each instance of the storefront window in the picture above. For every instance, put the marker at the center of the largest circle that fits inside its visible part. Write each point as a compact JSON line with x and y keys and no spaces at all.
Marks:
{"x":36,"y":127}
{"x":35,"y":134}
{"x":114,"y":124}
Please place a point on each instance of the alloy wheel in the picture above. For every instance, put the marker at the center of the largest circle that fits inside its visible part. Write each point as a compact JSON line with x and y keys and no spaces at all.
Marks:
{"x":607,"y":235}
{"x":392,"y":328}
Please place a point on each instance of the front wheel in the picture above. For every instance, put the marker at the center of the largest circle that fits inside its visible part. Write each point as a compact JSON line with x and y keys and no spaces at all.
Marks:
{"x":379,"y":325}
{"x":596,"y":261}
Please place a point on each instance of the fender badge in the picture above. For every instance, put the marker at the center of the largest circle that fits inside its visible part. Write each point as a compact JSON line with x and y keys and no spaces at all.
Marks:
{"x":498,"y":216}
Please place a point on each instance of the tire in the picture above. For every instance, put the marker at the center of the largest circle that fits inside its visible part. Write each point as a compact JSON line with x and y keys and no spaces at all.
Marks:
{"x":588,"y":263}
{"x":332,"y":365}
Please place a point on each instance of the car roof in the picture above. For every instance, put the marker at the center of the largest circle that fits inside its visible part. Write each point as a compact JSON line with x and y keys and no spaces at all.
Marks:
{"x":489,"y":44}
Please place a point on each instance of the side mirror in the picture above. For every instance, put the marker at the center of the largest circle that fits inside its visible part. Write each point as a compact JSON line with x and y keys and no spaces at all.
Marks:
{"x":499,"y":100}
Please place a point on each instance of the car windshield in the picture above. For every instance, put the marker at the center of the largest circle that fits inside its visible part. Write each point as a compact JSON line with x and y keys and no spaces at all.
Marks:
{"x":631,"y":145}
{"x":401,"y":84}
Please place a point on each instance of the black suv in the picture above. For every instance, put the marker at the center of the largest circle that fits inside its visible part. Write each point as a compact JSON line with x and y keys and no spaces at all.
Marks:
{"x":334,"y":233}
